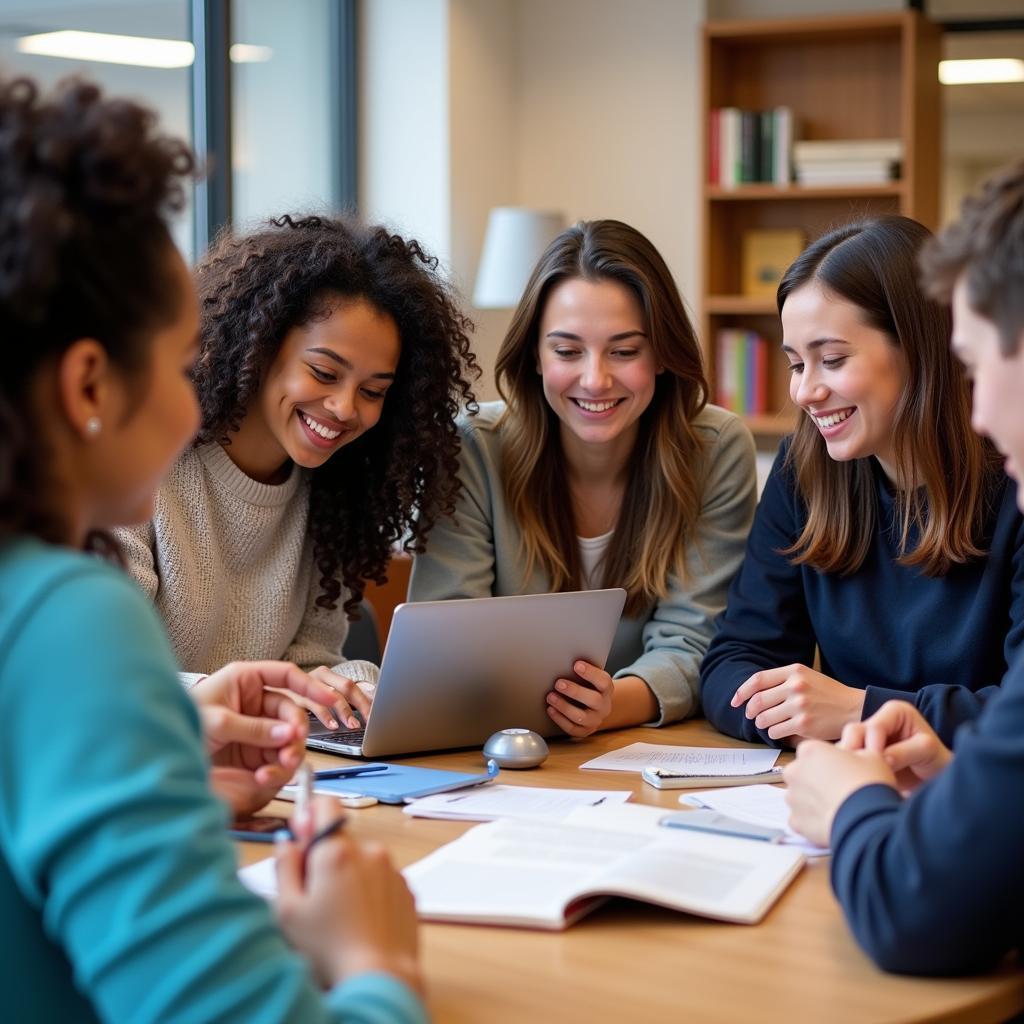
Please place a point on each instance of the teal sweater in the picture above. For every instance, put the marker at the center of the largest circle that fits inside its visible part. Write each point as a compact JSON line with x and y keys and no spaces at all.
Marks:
{"x":479,"y":553}
{"x":118,"y":894}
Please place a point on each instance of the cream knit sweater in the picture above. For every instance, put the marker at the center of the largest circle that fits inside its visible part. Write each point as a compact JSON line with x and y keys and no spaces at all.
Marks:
{"x":228,"y":562}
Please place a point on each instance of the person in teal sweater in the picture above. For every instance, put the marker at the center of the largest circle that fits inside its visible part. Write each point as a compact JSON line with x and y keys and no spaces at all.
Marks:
{"x":118,"y":894}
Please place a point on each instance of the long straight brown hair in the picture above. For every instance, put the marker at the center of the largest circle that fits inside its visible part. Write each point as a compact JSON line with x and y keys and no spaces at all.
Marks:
{"x":944,"y":471}
{"x":663,"y":493}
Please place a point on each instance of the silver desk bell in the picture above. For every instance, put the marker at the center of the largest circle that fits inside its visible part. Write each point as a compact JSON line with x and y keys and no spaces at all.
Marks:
{"x":516,"y":748}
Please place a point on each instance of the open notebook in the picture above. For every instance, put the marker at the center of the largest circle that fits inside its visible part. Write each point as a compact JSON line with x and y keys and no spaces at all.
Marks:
{"x":535,"y":874}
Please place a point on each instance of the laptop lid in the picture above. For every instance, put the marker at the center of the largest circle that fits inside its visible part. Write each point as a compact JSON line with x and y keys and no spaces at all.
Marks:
{"x":454,"y":672}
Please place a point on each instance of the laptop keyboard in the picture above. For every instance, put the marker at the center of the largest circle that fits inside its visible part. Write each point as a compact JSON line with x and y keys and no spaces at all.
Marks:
{"x":353,"y":737}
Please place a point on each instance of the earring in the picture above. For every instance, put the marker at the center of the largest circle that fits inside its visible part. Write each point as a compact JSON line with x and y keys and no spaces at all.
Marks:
{"x":93,"y":426}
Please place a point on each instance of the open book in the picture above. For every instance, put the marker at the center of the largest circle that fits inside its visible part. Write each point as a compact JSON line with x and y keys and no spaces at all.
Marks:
{"x":537,"y":874}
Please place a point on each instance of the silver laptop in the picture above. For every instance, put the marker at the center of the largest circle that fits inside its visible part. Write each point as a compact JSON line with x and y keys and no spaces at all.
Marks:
{"x":454,"y":672}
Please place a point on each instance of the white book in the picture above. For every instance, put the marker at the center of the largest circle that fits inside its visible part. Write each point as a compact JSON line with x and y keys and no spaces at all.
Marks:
{"x":848,"y":149}
{"x":729,"y":147}
{"x":537,"y":874}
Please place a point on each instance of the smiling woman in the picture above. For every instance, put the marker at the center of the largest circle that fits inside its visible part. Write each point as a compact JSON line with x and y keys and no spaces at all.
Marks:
{"x":888,"y":537}
{"x":606,"y":468}
{"x":333,"y":361}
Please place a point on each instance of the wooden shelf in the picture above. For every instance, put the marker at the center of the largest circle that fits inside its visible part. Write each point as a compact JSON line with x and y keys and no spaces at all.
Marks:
{"x":871,"y":76}
{"x":742,"y":304}
{"x":718,"y":193}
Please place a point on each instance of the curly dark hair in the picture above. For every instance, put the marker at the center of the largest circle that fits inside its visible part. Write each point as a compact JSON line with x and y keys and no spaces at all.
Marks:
{"x":393,"y":482}
{"x":85,"y":186}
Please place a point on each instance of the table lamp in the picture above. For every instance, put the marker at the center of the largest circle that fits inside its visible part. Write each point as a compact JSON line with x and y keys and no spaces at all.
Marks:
{"x":515,"y":239}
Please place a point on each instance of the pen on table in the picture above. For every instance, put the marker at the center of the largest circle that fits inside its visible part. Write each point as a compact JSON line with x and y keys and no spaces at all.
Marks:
{"x":348,"y":771}
{"x":304,"y":802}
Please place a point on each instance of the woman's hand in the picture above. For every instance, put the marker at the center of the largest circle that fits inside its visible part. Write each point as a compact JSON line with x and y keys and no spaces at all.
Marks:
{"x":821,"y":777}
{"x":901,"y":735}
{"x":796,"y":701}
{"x":594,"y":697}
{"x":348,"y":697}
{"x":255,"y":736}
{"x":346,"y":907}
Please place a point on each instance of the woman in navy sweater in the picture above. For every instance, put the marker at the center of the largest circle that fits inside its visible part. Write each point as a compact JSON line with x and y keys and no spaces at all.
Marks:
{"x":927,"y":845}
{"x":888,"y":537}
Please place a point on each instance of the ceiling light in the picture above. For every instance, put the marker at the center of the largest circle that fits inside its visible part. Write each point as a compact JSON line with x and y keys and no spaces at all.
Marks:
{"x":110,"y":49}
{"x":248,"y":53}
{"x":138,"y":51}
{"x":978,"y":72}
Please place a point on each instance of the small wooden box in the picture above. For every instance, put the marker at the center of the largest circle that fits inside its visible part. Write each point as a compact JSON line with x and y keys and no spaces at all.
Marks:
{"x":766,"y":255}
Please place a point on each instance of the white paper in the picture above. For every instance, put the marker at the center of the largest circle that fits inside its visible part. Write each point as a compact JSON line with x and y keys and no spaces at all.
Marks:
{"x":694,"y":760}
{"x":496,"y":801}
{"x":759,"y":805}
{"x":260,"y":878}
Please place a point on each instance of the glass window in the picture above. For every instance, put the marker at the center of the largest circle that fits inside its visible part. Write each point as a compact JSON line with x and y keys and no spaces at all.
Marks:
{"x":283,"y":150}
{"x":52,"y":39}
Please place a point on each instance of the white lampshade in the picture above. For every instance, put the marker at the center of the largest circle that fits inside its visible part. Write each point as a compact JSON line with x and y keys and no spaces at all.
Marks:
{"x":515,"y":239}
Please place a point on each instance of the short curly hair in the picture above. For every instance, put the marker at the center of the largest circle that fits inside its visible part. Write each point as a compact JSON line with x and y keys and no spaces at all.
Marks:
{"x":86,"y":183}
{"x":985,"y":245}
{"x":391,"y":484}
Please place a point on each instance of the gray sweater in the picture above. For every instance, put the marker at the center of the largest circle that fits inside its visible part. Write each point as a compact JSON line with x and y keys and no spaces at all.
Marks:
{"x":479,"y":554}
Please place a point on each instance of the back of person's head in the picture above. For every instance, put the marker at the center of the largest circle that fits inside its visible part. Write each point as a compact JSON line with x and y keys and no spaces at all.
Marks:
{"x":985,"y":246}
{"x":662,"y":501}
{"x":85,"y":186}
{"x":942,"y":467}
{"x":390,"y":484}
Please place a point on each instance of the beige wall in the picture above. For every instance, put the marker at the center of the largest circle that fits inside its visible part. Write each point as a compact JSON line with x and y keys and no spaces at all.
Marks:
{"x":586,"y":106}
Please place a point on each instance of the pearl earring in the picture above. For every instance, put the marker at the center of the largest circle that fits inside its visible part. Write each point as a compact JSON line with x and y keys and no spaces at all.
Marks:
{"x":93,"y":426}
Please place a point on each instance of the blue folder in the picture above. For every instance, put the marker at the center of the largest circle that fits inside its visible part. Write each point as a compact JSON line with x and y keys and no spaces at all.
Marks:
{"x":400,"y":783}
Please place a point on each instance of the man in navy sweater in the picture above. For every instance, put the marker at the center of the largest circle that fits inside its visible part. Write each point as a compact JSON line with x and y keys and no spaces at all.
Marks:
{"x":928,"y":847}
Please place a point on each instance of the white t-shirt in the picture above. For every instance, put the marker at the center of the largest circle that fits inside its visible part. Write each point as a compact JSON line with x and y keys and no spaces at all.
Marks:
{"x":592,"y":551}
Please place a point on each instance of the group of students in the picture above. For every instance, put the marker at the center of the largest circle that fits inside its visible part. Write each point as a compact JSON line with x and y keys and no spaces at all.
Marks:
{"x":252,"y":442}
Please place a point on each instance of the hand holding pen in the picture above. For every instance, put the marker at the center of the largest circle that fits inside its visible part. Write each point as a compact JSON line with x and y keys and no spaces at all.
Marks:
{"x":304,"y":826}
{"x":341,"y":902}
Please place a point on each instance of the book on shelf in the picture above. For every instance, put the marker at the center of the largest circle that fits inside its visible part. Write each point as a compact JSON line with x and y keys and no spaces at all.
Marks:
{"x":742,"y":371}
{"x":541,"y":874}
{"x":749,"y":146}
{"x":833,"y":162}
{"x":838,"y":150}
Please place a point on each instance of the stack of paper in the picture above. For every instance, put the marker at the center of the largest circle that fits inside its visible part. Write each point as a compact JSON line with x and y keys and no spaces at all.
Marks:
{"x":759,"y":805}
{"x":709,"y":761}
{"x":493,"y":802}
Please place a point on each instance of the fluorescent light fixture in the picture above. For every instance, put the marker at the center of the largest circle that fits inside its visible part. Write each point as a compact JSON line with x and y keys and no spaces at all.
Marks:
{"x":249,"y":53}
{"x":110,"y":49}
{"x":138,"y":51}
{"x":979,"y":72}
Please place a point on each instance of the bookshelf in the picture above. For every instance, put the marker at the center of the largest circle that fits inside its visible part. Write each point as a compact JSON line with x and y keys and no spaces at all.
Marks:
{"x":845,"y":77}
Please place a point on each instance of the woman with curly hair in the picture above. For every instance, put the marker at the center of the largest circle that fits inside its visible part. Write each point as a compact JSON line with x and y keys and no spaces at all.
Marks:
{"x":117,"y":878}
{"x":333,"y":361}
{"x":604,"y":467}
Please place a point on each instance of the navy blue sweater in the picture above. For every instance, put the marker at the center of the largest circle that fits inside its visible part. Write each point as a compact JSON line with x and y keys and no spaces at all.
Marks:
{"x":943,"y":643}
{"x":933,"y":884}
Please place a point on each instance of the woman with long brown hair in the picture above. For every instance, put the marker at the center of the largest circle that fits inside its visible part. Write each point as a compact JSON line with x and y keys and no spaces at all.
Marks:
{"x":888,"y":536}
{"x":604,"y":466}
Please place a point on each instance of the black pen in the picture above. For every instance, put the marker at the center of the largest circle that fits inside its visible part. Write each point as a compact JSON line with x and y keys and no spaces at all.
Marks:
{"x":349,"y":771}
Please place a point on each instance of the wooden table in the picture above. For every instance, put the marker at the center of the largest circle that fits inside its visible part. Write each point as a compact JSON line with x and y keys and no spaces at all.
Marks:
{"x":640,"y":964}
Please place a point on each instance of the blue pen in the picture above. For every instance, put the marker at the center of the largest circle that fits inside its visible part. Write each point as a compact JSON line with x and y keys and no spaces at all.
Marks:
{"x":349,"y":771}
